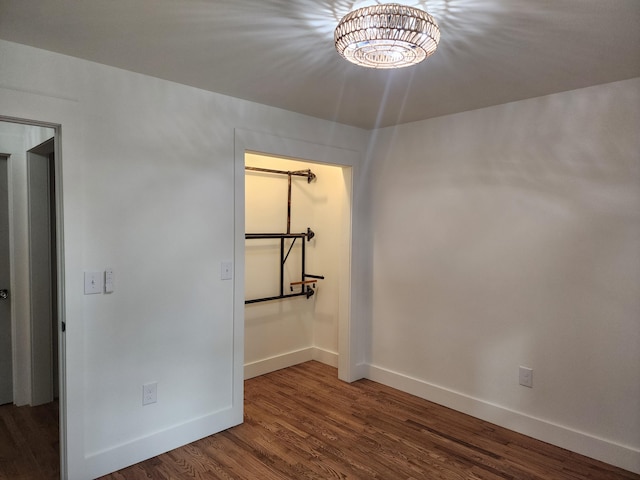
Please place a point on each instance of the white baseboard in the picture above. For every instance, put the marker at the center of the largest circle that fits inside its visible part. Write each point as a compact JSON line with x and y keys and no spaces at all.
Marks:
{"x":326,"y":357}
{"x":289,"y":359}
{"x":120,"y":456}
{"x":622,"y":456}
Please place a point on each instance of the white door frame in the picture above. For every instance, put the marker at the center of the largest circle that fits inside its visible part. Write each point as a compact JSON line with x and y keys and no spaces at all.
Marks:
{"x":60,"y":279}
{"x":7,"y":395}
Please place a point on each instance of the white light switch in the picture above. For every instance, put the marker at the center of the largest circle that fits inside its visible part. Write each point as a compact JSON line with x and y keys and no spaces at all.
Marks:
{"x":226,"y":270}
{"x":93,"y":282}
{"x":108,"y":280}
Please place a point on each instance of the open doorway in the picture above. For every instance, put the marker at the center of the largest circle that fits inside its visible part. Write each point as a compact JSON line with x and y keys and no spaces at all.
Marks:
{"x":350,"y":305}
{"x":296,"y":283}
{"x":29,"y":272}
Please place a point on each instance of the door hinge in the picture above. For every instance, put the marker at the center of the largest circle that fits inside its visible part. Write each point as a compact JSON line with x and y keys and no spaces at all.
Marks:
{"x":63,"y":326}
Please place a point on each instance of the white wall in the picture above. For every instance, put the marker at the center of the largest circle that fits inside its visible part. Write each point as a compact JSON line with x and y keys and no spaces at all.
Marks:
{"x":148,"y":172}
{"x":503,"y":236}
{"x":510,"y":236}
{"x":16,"y":139}
{"x":281,"y":333}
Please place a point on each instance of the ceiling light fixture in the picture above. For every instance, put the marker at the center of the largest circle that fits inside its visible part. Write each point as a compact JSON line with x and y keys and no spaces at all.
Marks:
{"x":387,"y":36}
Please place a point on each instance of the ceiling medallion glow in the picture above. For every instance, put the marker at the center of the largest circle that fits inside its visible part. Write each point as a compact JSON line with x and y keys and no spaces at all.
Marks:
{"x":387,"y":36}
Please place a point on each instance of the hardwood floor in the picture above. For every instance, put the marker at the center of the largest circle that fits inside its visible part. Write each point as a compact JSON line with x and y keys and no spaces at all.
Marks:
{"x":29,"y":442}
{"x":303,"y":423}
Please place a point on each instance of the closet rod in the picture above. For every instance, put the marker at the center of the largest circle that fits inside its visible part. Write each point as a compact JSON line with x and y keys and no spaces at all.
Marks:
{"x":298,"y":173}
{"x":307,"y":293}
{"x":309,"y":235}
{"x":274,"y":235}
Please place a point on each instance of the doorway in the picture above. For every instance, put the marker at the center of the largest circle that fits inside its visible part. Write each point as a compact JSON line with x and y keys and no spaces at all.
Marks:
{"x":29,"y":267}
{"x":293,"y":285}
{"x":350,"y":305}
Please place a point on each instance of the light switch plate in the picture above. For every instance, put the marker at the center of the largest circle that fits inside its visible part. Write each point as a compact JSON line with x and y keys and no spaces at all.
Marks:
{"x":226,"y":270}
{"x":108,"y":280}
{"x":93,"y":282}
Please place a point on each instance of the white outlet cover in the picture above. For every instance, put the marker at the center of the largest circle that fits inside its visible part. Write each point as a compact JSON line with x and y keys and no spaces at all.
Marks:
{"x":149,"y":393}
{"x":525,"y":377}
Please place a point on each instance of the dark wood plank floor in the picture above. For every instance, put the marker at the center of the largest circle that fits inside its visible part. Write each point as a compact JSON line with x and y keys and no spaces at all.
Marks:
{"x":303,"y":423}
{"x":29,"y":442}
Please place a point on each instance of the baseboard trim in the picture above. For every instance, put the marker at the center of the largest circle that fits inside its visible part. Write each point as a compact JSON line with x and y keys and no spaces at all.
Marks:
{"x":622,"y":456}
{"x":325,"y":356}
{"x":129,"y":453}
{"x":277,"y":362}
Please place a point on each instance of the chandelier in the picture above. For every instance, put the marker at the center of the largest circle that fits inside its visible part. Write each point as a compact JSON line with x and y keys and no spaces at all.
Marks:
{"x":387,"y":36}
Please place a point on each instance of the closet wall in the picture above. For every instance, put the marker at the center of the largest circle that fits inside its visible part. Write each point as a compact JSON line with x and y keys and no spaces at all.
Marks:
{"x":284,"y":332}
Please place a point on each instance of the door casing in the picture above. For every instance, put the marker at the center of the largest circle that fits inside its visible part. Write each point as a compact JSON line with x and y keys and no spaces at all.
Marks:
{"x":6,"y":360}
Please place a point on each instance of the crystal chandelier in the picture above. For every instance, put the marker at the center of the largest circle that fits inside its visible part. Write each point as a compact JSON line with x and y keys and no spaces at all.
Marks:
{"x":387,"y":36}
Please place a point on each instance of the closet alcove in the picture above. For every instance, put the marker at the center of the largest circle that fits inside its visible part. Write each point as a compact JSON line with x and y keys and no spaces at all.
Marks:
{"x":287,"y":331}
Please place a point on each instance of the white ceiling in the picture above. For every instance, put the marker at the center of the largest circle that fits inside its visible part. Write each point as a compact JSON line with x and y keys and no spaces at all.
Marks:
{"x":280,"y":52}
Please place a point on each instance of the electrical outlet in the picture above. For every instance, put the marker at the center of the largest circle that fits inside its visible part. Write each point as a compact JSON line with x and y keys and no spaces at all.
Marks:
{"x":526,"y":377}
{"x":150,"y":393}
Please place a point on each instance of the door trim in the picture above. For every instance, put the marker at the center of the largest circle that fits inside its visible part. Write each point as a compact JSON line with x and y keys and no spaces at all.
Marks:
{"x":4,"y":165}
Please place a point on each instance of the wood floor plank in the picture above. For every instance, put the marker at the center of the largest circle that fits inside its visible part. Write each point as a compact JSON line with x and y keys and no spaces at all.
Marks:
{"x":29,"y":442}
